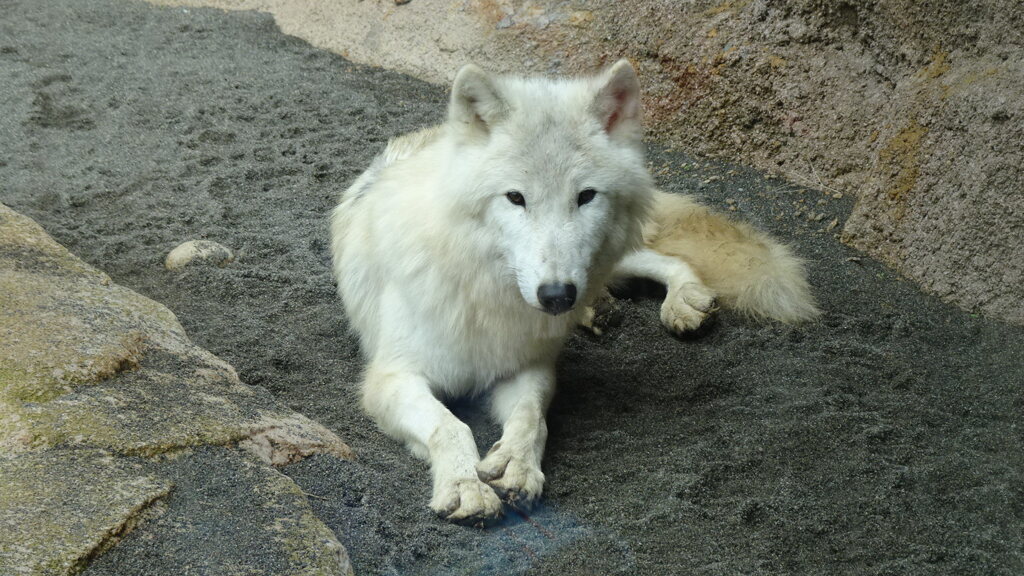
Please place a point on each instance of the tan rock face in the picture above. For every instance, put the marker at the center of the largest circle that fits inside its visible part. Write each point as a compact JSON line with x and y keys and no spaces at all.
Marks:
{"x":914,"y":108}
{"x":92,"y":374}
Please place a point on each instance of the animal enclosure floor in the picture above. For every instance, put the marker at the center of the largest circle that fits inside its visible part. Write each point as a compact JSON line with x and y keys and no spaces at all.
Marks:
{"x":884,"y":439}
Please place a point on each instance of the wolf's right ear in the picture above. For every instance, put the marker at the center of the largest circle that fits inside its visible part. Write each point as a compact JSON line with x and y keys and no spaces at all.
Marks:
{"x":476,"y":101}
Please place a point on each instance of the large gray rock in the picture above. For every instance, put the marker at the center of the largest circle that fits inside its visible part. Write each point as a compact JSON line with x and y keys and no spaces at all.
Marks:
{"x":92,"y":376}
{"x":913,"y":107}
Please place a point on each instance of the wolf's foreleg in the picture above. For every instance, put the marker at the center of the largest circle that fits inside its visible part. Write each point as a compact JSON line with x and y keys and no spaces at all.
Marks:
{"x":405,"y":408}
{"x":688,"y":302}
{"x":512,"y":466}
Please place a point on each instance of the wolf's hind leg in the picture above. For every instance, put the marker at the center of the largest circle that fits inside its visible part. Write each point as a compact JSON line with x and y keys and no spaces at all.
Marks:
{"x":405,"y":408}
{"x":688,"y":302}
{"x":512,"y":466}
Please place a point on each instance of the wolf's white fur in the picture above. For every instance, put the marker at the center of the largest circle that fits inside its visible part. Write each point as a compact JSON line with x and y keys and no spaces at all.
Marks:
{"x":439,"y":271}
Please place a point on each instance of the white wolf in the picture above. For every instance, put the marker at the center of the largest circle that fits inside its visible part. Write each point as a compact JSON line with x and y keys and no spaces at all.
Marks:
{"x":467,"y":252}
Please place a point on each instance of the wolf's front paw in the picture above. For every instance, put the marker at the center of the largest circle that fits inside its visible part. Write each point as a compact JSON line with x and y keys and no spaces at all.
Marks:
{"x":605,"y":313}
{"x":686,"y":307}
{"x":465,"y":500}
{"x":516,"y":477}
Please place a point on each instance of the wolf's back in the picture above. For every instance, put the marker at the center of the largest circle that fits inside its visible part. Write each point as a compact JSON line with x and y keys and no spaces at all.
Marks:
{"x":408,"y":144}
{"x":750,"y":271}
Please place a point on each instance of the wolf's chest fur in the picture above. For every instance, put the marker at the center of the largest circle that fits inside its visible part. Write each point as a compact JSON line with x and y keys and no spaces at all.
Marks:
{"x":482,"y":333}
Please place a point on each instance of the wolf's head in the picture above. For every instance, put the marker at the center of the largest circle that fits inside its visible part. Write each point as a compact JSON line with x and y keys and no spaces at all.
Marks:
{"x":554,"y":172}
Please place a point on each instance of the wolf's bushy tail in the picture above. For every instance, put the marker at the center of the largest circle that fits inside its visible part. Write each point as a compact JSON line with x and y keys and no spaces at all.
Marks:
{"x":750,"y":271}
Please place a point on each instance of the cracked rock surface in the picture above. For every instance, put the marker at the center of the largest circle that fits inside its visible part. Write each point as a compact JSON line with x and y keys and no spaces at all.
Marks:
{"x":60,"y":508}
{"x":94,"y":376}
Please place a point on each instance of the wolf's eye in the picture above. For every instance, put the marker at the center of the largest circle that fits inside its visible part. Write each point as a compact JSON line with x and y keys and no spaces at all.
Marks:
{"x":586,"y":196}
{"x":515,"y":198}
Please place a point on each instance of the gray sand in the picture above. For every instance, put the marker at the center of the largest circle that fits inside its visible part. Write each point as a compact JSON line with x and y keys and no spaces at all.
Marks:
{"x":884,"y":439}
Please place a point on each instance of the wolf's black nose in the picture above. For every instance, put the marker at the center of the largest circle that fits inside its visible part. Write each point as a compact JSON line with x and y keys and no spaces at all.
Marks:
{"x":556,"y":298}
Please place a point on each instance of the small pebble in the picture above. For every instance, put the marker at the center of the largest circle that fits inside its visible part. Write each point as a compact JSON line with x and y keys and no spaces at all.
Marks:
{"x":198,"y":250}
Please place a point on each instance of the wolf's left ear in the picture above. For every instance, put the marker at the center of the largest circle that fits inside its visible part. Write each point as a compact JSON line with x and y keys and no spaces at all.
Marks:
{"x":617,"y":102}
{"x":476,"y":101}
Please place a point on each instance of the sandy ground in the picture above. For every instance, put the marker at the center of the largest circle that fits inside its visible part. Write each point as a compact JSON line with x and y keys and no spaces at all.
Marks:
{"x":884,"y":439}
